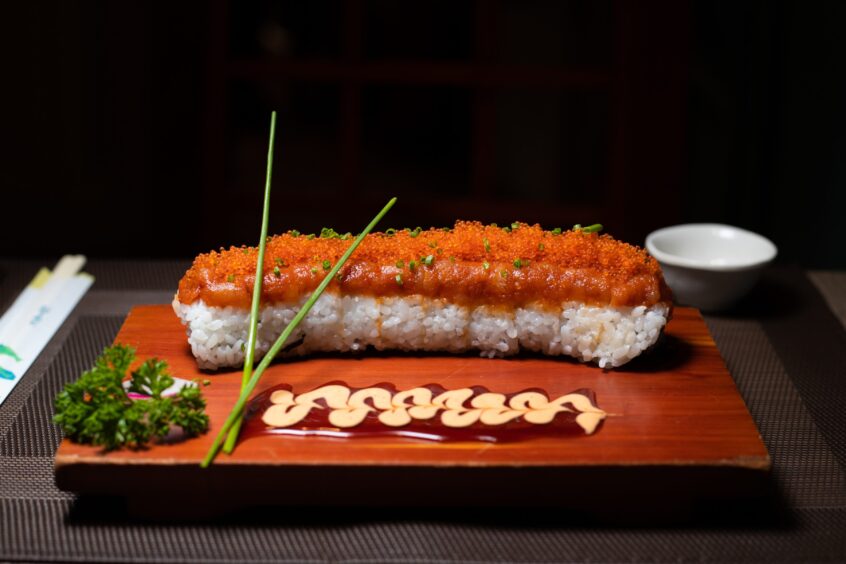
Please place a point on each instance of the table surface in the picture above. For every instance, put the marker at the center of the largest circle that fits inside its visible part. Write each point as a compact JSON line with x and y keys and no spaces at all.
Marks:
{"x":785,"y":346}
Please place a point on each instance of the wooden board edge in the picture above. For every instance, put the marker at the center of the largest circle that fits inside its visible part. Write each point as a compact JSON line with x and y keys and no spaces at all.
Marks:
{"x":761,"y":463}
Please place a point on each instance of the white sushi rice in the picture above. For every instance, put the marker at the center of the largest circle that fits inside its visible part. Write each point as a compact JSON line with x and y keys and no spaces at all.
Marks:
{"x":608,"y":336}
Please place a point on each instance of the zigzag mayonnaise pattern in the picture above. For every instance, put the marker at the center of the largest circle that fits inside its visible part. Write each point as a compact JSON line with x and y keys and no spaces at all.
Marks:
{"x":349,"y":409}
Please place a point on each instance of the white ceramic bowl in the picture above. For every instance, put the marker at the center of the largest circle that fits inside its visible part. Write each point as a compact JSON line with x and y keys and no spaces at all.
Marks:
{"x":709,"y":265}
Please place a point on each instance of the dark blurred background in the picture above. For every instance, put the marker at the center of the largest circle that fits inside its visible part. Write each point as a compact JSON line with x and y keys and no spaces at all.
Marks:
{"x":139,"y":129}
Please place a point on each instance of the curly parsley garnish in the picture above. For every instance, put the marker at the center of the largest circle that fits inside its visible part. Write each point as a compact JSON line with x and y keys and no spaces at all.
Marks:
{"x":96,"y":409}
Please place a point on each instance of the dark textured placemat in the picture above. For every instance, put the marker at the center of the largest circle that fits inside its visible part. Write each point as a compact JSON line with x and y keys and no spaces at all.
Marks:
{"x":805,"y":520}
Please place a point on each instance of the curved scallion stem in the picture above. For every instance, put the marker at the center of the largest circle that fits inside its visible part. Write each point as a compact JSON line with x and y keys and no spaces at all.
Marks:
{"x":238,"y":408}
{"x":249,"y":357}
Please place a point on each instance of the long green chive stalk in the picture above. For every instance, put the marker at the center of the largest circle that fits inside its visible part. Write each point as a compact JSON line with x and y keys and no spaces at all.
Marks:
{"x":254,"y":308}
{"x":238,"y":408}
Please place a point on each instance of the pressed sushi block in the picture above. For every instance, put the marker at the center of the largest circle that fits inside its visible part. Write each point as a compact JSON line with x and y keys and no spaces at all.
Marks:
{"x":471,"y":287}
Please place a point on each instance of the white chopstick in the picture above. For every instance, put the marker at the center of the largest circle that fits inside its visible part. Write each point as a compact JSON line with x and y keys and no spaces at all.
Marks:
{"x":36,"y":315}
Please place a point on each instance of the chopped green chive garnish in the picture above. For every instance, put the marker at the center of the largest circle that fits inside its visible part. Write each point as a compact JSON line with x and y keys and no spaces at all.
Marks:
{"x":504,"y":273}
{"x":412,"y":265}
{"x":398,"y":278}
{"x":230,"y":278}
{"x":280,"y":262}
{"x":433,"y":244}
{"x":310,"y":236}
{"x":237,"y":411}
{"x":206,"y":382}
{"x":556,"y":231}
{"x":540,"y":246}
{"x":346,"y":236}
{"x":415,"y":232}
{"x":295,"y":233}
{"x":245,"y":250}
{"x":486,"y":265}
{"x":446,"y":229}
{"x":390,"y":232}
{"x":400,"y":264}
{"x":313,"y":270}
{"x":277,"y":272}
{"x":427,"y":260}
{"x":452,"y":259}
{"x":518,"y":263}
{"x":327,"y":265}
{"x":507,"y":229}
{"x":487,"y":246}
{"x":515,"y":225}
{"x":577,"y":227}
{"x":328,"y":233}
{"x":595,"y":228}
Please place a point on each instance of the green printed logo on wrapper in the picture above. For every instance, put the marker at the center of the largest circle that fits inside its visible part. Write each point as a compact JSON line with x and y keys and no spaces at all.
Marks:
{"x":7,"y":351}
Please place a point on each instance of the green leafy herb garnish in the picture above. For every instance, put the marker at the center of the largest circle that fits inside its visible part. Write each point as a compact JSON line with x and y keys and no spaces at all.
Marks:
{"x":415,"y":232}
{"x":327,"y":265}
{"x":277,"y":272}
{"x":230,"y":278}
{"x":96,"y":409}
{"x":487,"y":245}
{"x":556,"y":231}
{"x":412,"y":265}
{"x":398,"y":278}
{"x":486,"y":265}
{"x":518,"y":263}
{"x":427,"y":260}
{"x":400,"y":264}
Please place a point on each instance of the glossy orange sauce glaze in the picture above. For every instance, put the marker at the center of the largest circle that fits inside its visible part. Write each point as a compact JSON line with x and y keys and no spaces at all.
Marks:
{"x":316,"y":422}
{"x":470,"y":264}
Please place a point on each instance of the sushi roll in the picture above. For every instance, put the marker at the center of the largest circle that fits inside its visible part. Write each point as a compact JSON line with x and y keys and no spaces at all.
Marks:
{"x":472,"y":287}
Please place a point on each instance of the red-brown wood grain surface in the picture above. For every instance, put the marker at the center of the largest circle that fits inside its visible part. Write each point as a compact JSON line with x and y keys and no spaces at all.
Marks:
{"x":677,"y":406}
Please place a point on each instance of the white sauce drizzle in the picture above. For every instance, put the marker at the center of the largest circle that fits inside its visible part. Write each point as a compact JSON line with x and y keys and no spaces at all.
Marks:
{"x":349,"y":409}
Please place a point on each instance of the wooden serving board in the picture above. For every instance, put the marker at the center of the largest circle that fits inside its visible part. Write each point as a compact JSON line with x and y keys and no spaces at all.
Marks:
{"x":677,"y":431}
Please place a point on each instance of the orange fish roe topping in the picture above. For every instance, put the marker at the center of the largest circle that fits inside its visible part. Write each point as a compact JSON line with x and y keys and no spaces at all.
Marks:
{"x":469,"y":264}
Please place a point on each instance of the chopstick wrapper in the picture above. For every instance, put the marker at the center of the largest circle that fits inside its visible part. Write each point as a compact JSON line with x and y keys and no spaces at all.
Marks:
{"x":36,"y":315}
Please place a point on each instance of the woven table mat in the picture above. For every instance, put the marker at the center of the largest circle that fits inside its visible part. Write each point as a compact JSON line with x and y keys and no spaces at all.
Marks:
{"x":783,"y":346}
